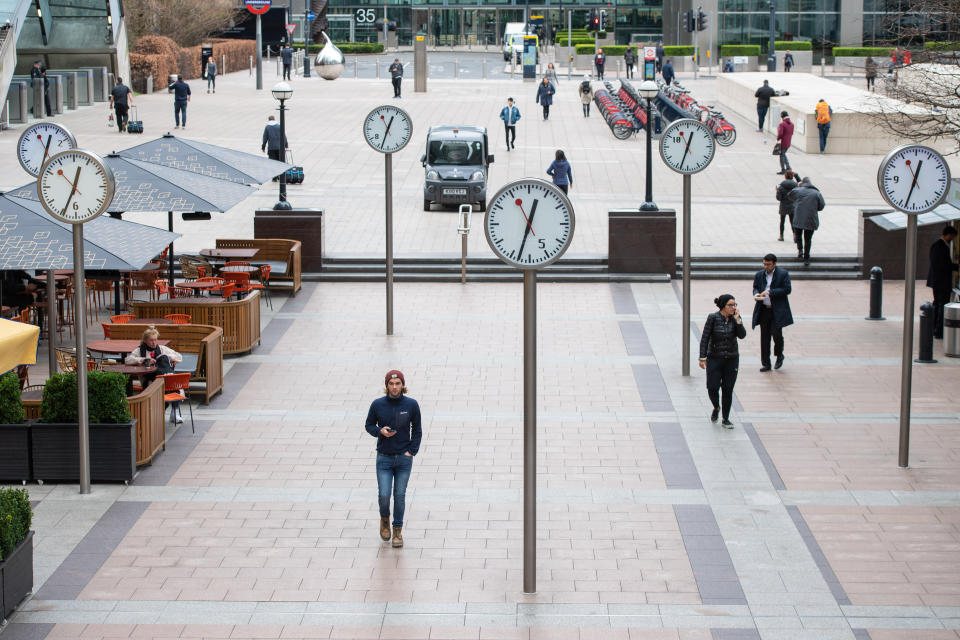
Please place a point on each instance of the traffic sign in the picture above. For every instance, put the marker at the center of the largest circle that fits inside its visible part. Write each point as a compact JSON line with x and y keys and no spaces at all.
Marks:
{"x":291,"y":28}
{"x":258,"y":6}
{"x":311,"y":15}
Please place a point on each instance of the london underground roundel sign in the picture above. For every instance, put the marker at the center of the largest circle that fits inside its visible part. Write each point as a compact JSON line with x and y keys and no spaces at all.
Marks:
{"x":258,"y":6}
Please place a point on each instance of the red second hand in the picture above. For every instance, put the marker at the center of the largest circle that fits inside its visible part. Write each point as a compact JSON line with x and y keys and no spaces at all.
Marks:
{"x":520,"y":204}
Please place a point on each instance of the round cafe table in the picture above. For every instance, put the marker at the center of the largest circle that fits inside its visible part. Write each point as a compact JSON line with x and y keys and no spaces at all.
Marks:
{"x":199,"y":286}
{"x":122,"y":347}
{"x":131,"y":371}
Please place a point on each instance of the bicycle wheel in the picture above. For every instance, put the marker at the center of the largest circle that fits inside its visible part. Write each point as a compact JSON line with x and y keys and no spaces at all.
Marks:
{"x":727,"y":137}
{"x":621,"y":131}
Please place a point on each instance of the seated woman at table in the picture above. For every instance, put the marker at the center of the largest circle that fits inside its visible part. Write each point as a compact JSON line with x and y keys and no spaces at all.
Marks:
{"x":150,"y":353}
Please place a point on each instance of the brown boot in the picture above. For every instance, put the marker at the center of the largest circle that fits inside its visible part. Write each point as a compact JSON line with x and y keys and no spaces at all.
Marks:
{"x":385,"y":528}
{"x":397,"y":538}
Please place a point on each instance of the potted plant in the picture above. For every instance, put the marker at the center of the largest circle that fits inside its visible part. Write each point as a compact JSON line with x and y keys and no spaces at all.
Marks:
{"x":16,"y":549}
{"x":14,"y":432}
{"x":54,"y":442}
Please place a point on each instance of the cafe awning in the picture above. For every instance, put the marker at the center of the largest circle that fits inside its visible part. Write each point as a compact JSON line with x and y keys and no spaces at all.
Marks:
{"x":18,"y":344}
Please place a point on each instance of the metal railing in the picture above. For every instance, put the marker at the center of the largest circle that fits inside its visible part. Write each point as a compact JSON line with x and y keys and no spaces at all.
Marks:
{"x":466,"y":221}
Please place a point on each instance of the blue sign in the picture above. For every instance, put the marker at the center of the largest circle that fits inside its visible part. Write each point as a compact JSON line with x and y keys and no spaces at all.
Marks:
{"x":311,"y":15}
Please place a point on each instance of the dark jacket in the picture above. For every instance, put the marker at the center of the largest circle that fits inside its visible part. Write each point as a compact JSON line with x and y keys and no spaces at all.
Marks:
{"x":400,"y":413}
{"x":119,"y":94}
{"x":667,"y":72}
{"x":871,"y":67}
{"x":272,"y":139}
{"x":545,"y":94}
{"x":763,"y":95}
{"x":629,"y":57}
{"x":788,"y":60}
{"x":779,"y":290}
{"x":286,"y":55}
{"x":785,"y":133}
{"x":942,"y":266}
{"x":783,"y":196}
{"x":719,"y":339}
{"x":560,"y":171}
{"x":511,"y":113}
{"x":180,"y":90}
{"x":600,"y":59}
{"x":807,"y":201}
{"x":396,"y":70}
{"x":659,"y":52}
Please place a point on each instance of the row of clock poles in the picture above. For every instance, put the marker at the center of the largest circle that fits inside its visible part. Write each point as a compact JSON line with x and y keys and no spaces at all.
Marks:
{"x":74,"y":186}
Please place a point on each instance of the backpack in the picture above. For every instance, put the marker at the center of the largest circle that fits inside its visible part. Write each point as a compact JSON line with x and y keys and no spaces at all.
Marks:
{"x":823,"y":113}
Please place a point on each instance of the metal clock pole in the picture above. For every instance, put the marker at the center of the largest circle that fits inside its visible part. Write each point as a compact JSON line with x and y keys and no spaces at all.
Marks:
{"x":529,"y":431}
{"x":388,"y":175}
{"x":685,"y":365}
{"x":79,"y":317}
{"x":906,"y":367}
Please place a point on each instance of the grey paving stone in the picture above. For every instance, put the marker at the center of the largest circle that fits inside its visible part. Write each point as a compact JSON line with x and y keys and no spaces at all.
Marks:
{"x":423,"y":620}
{"x":720,"y":589}
{"x":426,"y":607}
{"x":138,"y":617}
{"x":555,"y":620}
{"x":895,"y":623}
{"x":704,"y":542}
{"x":352,"y":619}
{"x":735,"y":634}
{"x":26,"y":631}
{"x":635,"y":338}
{"x":346,"y":607}
{"x":489,"y":620}
{"x":623,"y":300}
{"x":492,"y":608}
{"x":274,"y":618}
{"x":861,"y":634}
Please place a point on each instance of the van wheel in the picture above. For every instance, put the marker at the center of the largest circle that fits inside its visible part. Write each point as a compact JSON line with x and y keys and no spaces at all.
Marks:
{"x":482,"y":206}
{"x":426,"y":205}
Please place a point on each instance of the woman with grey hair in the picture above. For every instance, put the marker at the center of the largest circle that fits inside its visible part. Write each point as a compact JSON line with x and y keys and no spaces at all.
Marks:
{"x":586,"y":95}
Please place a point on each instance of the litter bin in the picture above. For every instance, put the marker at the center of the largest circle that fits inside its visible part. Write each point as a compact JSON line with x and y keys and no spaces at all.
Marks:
{"x":951,"y":329}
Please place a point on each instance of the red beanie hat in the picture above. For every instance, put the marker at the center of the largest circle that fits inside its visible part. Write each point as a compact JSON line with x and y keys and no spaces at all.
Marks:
{"x":394,"y":373}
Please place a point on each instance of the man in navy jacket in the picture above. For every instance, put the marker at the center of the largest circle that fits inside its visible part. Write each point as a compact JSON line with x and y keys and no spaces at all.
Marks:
{"x":771,"y":286}
{"x":394,"y":420}
{"x":940,"y":275}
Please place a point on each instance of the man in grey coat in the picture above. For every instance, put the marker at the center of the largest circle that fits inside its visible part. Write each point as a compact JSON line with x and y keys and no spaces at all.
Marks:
{"x":274,"y":143}
{"x":807,"y":201}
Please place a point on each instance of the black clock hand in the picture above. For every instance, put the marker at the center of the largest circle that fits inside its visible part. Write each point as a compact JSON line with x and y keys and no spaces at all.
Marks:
{"x":46,"y":150}
{"x":76,"y":180}
{"x":533,"y":211}
{"x":387,"y":132}
{"x":685,"y":149}
{"x":914,"y":183}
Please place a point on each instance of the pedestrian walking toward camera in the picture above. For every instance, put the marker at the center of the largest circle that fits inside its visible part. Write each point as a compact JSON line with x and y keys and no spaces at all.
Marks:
{"x":667,"y":72}
{"x":940,"y":275}
{"x":599,"y":61}
{"x":807,"y":201}
{"x":630,"y":59}
{"x":560,"y":171}
{"x":510,"y":114}
{"x":121,"y":99}
{"x":824,"y":112}
{"x":728,"y":66}
{"x":783,"y":197}
{"x":788,"y":61}
{"x":720,"y":355}
{"x":286,"y":57}
{"x":181,"y":96}
{"x":394,"y":420}
{"x":586,"y":95}
{"x":659,"y":54}
{"x":771,"y":286}
{"x":274,"y":143}
{"x":396,"y":76}
{"x":211,"y":75}
{"x":545,"y":97}
{"x":763,"y":96}
{"x":871,"y":72}
{"x":784,"y":138}
{"x":550,"y":75}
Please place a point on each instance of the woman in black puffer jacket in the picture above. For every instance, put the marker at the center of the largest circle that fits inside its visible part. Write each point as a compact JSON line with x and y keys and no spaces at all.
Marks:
{"x":720,"y":355}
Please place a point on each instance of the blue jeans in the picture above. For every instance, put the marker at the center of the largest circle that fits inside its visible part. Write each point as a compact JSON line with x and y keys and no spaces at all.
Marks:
{"x":180,"y":106}
{"x":824,"y":132}
{"x":393,"y":470}
{"x":761,"y":116}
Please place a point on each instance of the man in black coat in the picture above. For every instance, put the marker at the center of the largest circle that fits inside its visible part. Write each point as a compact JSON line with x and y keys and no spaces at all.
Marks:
{"x":771,"y":286}
{"x":940,"y":276}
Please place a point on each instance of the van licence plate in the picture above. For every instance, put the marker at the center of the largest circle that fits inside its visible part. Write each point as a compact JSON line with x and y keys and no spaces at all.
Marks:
{"x":454,"y":192}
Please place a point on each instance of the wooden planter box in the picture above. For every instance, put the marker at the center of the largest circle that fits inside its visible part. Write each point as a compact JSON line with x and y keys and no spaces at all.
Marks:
{"x":15,"y":452}
{"x":54,"y":451}
{"x":16,"y":576}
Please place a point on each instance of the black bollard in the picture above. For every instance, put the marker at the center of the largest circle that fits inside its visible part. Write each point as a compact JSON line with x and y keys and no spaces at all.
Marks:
{"x":926,"y":334}
{"x":876,"y":294}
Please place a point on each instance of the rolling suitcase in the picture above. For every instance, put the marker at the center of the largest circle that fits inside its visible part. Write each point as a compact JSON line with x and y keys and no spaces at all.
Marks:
{"x":295,"y":173}
{"x":135,"y":126}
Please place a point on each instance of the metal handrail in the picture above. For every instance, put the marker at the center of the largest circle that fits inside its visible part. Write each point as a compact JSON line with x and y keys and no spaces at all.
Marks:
{"x":466,"y":222}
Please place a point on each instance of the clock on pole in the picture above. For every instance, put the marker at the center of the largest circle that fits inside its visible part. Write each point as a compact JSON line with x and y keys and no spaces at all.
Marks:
{"x":40,"y":141}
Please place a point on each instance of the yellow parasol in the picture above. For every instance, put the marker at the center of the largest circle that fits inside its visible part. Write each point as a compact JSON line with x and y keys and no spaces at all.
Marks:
{"x":18,"y":344}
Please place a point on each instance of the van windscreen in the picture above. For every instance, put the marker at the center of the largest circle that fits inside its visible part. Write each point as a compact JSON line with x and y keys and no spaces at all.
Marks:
{"x":455,"y":152}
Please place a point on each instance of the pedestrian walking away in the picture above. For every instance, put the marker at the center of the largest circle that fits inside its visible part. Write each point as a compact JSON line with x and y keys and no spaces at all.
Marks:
{"x":550,"y":75}
{"x":286,"y":57}
{"x":545,"y":97}
{"x":659,"y":54}
{"x":586,"y":95}
{"x":667,"y":72}
{"x":560,"y":171}
{"x":181,"y":96}
{"x":784,"y":139}
{"x":630,"y":59}
{"x":763,"y":96}
{"x":728,"y":66}
{"x":871,"y":72}
{"x":396,"y":76}
{"x":38,"y":76}
{"x":771,"y":286}
{"x":121,"y":99}
{"x":788,"y":61}
{"x":807,"y":201}
{"x":510,"y":114}
{"x":599,"y":61}
{"x":720,"y":355}
{"x":394,"y":420}
{"x":940,"y":275}
{"x":211,"y":76}
{"x":274,"y":143}
{"x":787,"y":185}
{"x":824,"y":114}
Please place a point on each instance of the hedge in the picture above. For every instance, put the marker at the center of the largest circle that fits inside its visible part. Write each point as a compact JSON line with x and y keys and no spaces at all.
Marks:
{"x":347,"y":47}
{"x":794,"y":45}
{"x":11,"y":407}
{"x":15,"y":518}
{"x":739,"y":50}
{"x":674,"y":50}
{"x":861,"y":52}
{"x":941,"y":46}
{"x":160,"y":57}
{"x":610,"y":50}
{"x":106,"y":398}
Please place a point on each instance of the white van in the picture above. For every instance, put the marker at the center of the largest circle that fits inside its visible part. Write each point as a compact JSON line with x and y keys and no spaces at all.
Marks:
{"x":509,"y":46}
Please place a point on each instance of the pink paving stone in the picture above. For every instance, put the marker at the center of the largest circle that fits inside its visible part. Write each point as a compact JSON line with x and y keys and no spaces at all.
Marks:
{"x":404,"y":633}
{"x":109,"y":630}
{"x":306,"y":631}
{"x":256,"y":631}
{"x":66,"y":630}
{"x":454,"y":633}
{"x":354,"y":633}
{"x":154,"y":630}
{"x":927,"y":634}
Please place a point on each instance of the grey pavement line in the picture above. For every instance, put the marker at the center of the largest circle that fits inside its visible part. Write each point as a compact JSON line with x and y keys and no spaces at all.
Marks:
{"x":623,"y":300}
{"x":676,"y":463}
{"x":652,"y":387}
{"x":462,"y":357}
{"x":717,"y":579}
{"x":814,"y":548}
{"x":873,"y":498}
{"x":735,"y":634}
{"x":26,"y":631}
{"x":861,"y":634}
{"x":178,"y":448}
{"x":765,"y":458}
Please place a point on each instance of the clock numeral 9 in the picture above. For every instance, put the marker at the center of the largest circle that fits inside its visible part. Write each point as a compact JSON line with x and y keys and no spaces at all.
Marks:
{"x":896,"y":178}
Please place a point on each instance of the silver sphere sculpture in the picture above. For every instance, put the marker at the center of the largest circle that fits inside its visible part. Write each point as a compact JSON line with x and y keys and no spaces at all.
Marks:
{"x":330,"y":61}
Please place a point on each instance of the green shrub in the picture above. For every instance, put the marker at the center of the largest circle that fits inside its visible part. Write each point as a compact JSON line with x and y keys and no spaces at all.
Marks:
{"x":15,"y":518}
{"x":862,"y":52}
{"x":11,"y":407}
{"x":106,"y":398}
{"x":941,"y":46}
{"x":677,"y":51}
{"x":346,"y":47}
{"x":610,"y":50}
{"x":739,"y":50}
{"x":794,"y":45}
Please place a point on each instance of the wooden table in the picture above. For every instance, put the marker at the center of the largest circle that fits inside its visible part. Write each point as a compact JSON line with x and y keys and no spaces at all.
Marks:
{"x":149,"y":321}
{"x":131,"y":371}
{"x":122,"y":347}
{"x":199,"y":286}
{"x":229,"y":254}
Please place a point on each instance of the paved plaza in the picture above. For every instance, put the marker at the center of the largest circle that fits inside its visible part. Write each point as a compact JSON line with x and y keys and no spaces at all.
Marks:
{"x":653,"y":523}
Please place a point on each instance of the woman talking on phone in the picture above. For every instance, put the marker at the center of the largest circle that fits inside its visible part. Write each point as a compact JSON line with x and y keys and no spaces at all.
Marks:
{"x":720,"y":354}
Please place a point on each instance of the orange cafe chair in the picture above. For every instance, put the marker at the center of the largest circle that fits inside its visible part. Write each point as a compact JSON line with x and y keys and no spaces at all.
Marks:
{"x":106,"y":330}
{"x":122,"y":318}
{"x":263,"y":284}
{"x":173,"y":383}
{"x":178,"y":318}
{"x":239,"y":280}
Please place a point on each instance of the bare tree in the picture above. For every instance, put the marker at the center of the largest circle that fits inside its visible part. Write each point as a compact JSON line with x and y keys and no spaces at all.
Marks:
{"x":188,"y":22}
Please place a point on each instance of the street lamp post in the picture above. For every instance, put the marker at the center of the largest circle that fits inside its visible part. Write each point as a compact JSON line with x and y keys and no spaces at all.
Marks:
{"x":283,"y":92}
{"x":772,"y":49}
{"x":648,"y":90}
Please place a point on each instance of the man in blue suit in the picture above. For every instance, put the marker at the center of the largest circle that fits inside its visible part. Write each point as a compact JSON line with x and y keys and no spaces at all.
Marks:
{"x":771,"y":286}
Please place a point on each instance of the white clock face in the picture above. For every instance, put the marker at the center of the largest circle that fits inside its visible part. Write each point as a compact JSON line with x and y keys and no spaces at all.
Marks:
{"x":687,"y":146}
{"x":39,"y":142}
{"x":75,"y":186}
{"x":387,"y":129}
{"x":529,"y":223}
{"x":914,"y":179}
